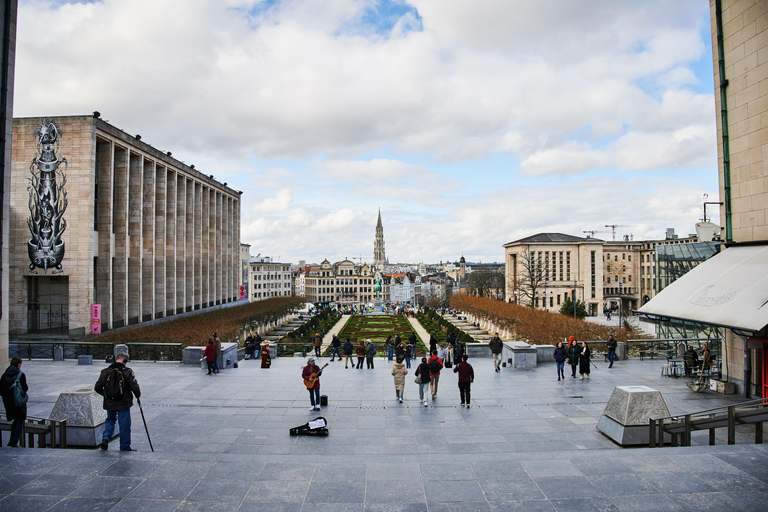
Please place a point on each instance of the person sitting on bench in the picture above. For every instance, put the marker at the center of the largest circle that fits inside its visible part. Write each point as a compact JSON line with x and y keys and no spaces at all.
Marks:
{"x":690,"y":354}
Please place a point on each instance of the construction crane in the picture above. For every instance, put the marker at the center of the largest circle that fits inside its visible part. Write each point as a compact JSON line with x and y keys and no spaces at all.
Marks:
{"x":614,"y":226}
{"x":593,"y":231}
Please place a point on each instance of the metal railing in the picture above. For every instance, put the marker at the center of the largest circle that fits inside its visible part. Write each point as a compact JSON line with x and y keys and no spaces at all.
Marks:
{"x":71,"y":349}
{"x":155,"y":351}
{"x":679,"y":428}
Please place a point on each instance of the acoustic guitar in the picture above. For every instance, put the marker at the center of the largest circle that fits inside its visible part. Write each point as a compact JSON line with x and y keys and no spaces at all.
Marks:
{"x":310,"y":382}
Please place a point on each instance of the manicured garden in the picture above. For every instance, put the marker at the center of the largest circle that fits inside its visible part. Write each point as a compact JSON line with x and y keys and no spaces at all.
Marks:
{"x":376,"y":328}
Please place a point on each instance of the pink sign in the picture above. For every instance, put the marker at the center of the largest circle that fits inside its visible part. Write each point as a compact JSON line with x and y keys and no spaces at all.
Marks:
{"x":95,"y":318}
{"x":242,"y":292}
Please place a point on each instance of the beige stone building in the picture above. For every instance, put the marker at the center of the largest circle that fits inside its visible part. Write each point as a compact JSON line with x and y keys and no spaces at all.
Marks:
{"x":543,"y":269}
{"x":268,"y":278}
{"x":342,"y":283}
{"x":120,"y":224}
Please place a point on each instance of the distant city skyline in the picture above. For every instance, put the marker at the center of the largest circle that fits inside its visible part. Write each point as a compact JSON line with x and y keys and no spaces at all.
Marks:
{"x":469,"y":124}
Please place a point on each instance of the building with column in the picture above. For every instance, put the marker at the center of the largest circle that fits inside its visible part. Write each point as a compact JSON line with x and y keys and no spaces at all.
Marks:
{"x":268,"y":278}
{"x":100,"y":218}
{"x":342,"y":283}
{"x":543,"y":269}
{"x":9,"y":11}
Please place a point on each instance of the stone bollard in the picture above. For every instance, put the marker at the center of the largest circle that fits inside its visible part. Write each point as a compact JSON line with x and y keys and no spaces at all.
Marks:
{"x":621,"y":351}
{"x":58,"y":353}
{"x":121,"y":349}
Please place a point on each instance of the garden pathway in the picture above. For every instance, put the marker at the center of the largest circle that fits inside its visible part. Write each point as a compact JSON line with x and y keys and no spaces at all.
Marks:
{"x":336,"y":329}
{"x":421,"y":332}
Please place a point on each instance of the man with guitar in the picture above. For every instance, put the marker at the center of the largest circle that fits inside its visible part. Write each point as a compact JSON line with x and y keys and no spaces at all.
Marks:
{"x":311,"y":376}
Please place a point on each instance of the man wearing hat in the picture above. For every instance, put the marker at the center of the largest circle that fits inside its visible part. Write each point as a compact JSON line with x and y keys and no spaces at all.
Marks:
{"x":314,"y":392}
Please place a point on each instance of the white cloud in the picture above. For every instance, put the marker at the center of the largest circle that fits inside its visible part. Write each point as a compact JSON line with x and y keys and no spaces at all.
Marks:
{"x":279,"y":203}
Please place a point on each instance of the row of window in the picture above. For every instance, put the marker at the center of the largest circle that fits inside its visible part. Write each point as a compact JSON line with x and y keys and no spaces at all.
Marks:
{"x":286,"y":268}
{"x":556,"y":265}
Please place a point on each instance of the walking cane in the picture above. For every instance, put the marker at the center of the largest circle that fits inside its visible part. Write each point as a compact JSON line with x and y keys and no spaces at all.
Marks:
{"x":145,"y":424}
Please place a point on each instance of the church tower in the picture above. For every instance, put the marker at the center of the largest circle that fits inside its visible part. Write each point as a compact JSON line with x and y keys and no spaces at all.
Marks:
{"x":378,"y":247}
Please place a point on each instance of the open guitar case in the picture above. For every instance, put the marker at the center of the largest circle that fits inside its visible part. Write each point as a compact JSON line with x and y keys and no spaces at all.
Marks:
{"x":316,"y":427}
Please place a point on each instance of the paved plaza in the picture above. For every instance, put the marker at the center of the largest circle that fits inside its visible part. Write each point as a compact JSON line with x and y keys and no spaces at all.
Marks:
{"x":528,"y":443}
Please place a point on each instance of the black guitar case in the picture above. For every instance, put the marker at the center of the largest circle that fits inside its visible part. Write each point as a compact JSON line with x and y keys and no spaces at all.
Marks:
{"x":316,"y":427}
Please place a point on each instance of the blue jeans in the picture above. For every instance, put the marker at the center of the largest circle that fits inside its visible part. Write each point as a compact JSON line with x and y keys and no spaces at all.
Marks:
{"x":560,"y":367}
{"x":335,"y":353}
{"x":611,"y":355}
{"x":216,"y":364}
{"x":407,"y":362}
{"x":390,"y":353}
{"x":314,"y":397}
{"x":123,"y":417}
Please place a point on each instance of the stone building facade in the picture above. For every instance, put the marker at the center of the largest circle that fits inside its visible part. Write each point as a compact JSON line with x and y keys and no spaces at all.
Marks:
{"x":342,"y":283}
{"x":268,"y":278}
{"x":142,"y":235}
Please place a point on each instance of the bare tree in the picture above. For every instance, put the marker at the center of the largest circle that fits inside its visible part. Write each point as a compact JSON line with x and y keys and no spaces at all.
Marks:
{"x":532,"y":278}
{"x":486,"y":283}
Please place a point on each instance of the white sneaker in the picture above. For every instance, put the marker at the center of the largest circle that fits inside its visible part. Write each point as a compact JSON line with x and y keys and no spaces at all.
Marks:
{"x":401,"y":400}
{"x":426,"y":404}
{"x":312,"y":408}
{"x":581,"y":377}
{"x":587,"y":375}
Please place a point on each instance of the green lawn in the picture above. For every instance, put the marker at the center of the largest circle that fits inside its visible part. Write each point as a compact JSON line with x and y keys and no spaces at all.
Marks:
{"x":377,"y":328}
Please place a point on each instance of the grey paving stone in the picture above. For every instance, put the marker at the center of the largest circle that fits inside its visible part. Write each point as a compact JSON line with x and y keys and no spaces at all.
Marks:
{"x":394,"y":507}
{"x":336,"y":492}
{"x":81,"y":466}
{"x":9,"y":483}
{"x":142,"y":505}
{"x":386,"y":491}
{"x":518,"y":489}
{"x":623,"y":485}
{"x":602,"y":466}
{"x":550,"y":468}
{"x":164,"y":489}
{"x":290,"y":471}
{"x":16,"y":503}
{"x":646,"y":503}
{"x":498,"y":470}
{"x":228,"y":470}
{"x":458,"y":490}
{"x":450,"y":471}
{"x":90,"y":504}
{"x":707,"y":502}
{"x":466,"y":506}
{"x":567,"y":488}
{"x":108,"y":487}
{"x":388,"y":471}
{"x":584,"y":505}
{"x":280,"y":492}
{"x":522,"y":506}
{"x":678,"y":483}
{"x":219,"y":490}
{"x":52,"y":485}
{"x":208,"y":506}
{"x":132,"y":468}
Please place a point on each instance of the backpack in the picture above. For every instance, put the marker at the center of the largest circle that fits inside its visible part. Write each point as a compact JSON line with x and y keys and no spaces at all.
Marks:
{"x":373,"y":352}
{"x":114,"y":388}
{"x":19,"y":396}
{"x":435,"y":366}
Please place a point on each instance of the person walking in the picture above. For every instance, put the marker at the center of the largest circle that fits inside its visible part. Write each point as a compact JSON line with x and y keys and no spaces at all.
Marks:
{"x":370,"y":352}
{"x":217,"y":343}
{"x":360,"y":354}
{"x":399,"y":348}
{"x":266,"y":360}
{"x":349,"y":350}
{"x":584,"y":360}
{"x":448,"y":355}
{"x":249,"y":349}
{"x":390,"y":347}
{"x":399,"y":372}
{"x":560,"y":356}
{"x":317,"y":342}
{"x":336,"y":345}
{"x":496,"y":346}
{"x":15,"y":400}
{"x":312,"y":371}
{"x":405,"y":347}
{"x":573,"y":355}
{"x":210,"y":355}
{"x":423,"y":379}
{"x":432,"y":342}
{"x":414,"y":342}
{"x":435,"y":365}
{"x":257,"y":345}
{"x":611,"y":346}
{"x":441,"y":353}
{"x":117,"y":384}
{"x":466,"y":377}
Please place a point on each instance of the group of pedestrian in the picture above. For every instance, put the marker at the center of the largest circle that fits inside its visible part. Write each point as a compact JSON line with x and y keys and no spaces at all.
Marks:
{"x":253,"y":346}
{"x":580,"y":357}
{"x":211,"y":354}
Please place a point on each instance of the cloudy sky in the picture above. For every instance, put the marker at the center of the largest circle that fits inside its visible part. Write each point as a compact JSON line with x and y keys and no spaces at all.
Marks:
{"x":469,"y":123}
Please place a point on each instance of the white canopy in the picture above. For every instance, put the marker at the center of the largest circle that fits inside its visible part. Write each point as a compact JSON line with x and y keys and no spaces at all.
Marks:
{"x":730,"y":290}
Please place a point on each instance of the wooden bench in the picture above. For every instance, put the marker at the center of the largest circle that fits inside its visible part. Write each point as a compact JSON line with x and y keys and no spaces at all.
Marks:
{"x":40,"y":427}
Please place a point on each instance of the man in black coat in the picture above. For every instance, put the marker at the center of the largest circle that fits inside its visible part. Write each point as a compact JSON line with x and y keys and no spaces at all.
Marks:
{"x":15,"y":413}
{"x":336,"y":345}
{"x":118,"y":407}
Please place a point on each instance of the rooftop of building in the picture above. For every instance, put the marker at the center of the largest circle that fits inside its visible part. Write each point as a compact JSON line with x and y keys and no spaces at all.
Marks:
{"x":559,"y":238}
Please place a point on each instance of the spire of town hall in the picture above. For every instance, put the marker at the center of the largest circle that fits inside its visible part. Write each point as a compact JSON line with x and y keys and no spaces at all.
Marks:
{"x":378,"y":247}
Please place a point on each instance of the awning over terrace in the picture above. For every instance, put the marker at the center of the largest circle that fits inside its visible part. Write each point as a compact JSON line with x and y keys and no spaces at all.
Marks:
{"x":729,"y":290}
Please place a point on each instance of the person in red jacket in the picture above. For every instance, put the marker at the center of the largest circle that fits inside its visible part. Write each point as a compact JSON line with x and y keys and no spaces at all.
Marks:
{"x":435,"y":365}
{"x":210,"y":355}
{"x":466,"y":376}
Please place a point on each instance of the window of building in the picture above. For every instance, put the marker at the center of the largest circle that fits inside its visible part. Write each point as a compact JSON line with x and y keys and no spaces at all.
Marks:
{"x":593,"y":279}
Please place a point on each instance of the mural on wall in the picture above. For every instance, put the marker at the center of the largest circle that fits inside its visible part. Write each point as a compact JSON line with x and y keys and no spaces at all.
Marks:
{"x":47,"y":201}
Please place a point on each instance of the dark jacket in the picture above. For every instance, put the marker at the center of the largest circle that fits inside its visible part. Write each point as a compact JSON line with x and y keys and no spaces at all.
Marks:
{"x":465,"y":371}
{"x":573,"y":354}
{"x":561,"y":354}
{"x":349,"y":349}
{"x":370,"y":350}
{"x":131,"y":388}
{"x":611,"y":344}
{"x":217,"y":341}
{"x":496,"y":345}
{"x":335,"y":342}
{"x":12,"y":410}
{"x":423,"y":372}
